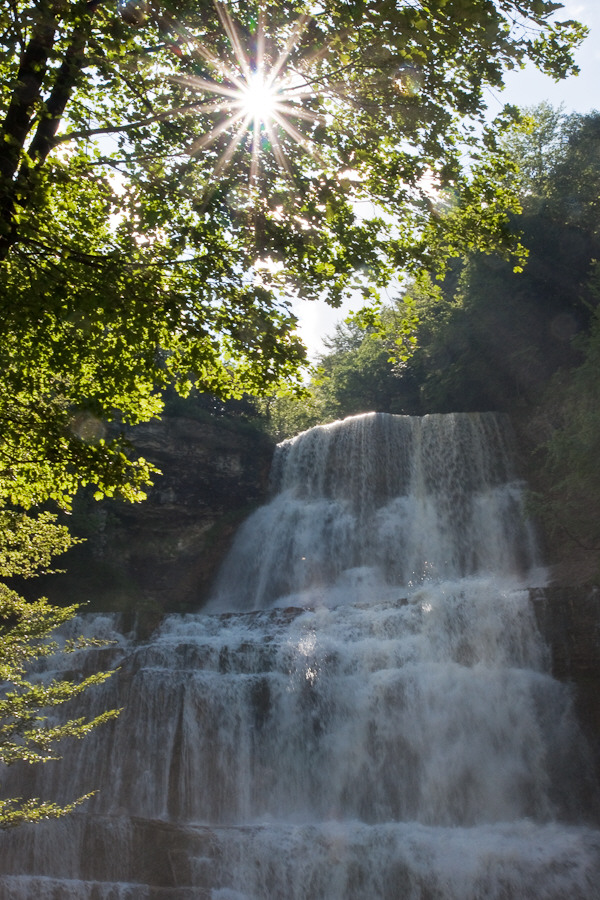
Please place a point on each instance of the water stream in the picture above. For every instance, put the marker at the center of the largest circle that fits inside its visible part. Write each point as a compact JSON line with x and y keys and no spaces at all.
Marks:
{"x":364,"y":710}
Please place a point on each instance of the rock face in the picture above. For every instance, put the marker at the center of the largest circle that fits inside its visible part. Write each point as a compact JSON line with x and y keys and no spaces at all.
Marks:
{"x":161,"y":555}
{"x":568,"y":610}
{"x":569,"y":619}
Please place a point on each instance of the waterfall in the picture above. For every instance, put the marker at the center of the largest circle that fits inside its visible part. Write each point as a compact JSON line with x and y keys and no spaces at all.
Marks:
{"x":377,"y":502}
{"x":363,"y":711}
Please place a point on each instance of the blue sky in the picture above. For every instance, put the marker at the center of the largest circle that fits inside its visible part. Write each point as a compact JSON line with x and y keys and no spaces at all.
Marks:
{"x":525,"y":88}
{"x":579,"y":93}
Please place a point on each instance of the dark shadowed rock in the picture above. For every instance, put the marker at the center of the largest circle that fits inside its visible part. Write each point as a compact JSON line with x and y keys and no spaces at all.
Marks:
{"x":569,"y":619}
{"x":161,"y":555}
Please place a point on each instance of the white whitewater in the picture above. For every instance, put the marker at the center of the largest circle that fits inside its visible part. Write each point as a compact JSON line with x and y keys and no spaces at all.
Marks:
{"x":377,"y":502}
{"x":364,"y":711}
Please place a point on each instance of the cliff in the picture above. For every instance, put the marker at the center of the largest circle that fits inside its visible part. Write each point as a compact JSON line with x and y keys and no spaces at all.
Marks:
{"x":161,"y":555}
{"x":568,"y":609}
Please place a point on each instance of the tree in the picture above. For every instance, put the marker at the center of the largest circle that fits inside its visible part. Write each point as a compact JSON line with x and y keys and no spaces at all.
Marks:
{"x":574,"y":188}
{"x":568,"y":494}
{"x":484,"y":337}
{"x":27,"y":733}
{"x":135,"y":252}
{"x":536,"y":144}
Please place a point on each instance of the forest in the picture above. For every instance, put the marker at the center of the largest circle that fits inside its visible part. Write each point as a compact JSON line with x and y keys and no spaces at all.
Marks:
{"x":485,"y":337}
{"x":156,"y":223}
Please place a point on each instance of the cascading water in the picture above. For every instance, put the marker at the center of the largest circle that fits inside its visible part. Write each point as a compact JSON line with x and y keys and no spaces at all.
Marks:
{"x":381,"y":502}
{"x":362,"y":712}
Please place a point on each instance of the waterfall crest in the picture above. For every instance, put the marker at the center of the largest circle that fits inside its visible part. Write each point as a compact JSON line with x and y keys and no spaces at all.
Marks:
{"x":377,"y":502}
{"x":364,"y":712}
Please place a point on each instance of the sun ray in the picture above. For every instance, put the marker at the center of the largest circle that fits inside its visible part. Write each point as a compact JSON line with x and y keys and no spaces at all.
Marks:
{"x":223,"y":163}
{"x":233,"y":36}
{"x":221,"y":67}
{"x":295,"y":134}
{"x":209,"y":107}
{"x":260,"y":36}
{"x":207,"y":139}
{"x":203,"y":84}
{"x":254,"y":160}
{"x":263,"y":103}
{"x":298,"y":92}
{"x":278,"y":153}
{"x":226,"y":157}
{"x":217,"y":63}
{"x":307,"y":114}
{"x":296,"y":33}
{"x":297,"y":84}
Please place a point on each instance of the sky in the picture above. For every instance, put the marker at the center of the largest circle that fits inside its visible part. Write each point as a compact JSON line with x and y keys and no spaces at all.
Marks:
{"x":525,"y":88}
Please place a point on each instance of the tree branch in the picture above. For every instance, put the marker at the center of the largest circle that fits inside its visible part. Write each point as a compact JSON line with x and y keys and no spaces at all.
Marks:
{"x":65,"y":81}
{"x":130,"y":126}
{"x":26,"y":93}
{"x":19,"y":119}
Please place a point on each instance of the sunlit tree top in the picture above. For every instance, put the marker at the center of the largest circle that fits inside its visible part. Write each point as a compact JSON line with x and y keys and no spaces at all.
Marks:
{"x":174,"y":174}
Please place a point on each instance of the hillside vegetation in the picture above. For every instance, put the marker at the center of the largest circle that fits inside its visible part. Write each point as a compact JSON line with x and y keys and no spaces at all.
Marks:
{"x":489,"y":337}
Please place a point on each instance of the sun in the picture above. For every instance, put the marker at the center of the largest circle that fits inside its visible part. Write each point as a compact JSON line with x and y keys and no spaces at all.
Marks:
{"x":259,"y":99}
{"x":253,"y":95}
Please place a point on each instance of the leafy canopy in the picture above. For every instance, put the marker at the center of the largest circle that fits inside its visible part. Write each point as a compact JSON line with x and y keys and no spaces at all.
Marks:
{"x":140,"y":242}
{"x":485,"y":337}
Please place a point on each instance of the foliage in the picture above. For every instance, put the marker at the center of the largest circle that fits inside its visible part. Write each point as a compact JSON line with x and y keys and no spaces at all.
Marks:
{"x":569,"y":470}
{"x":536,"y":145}
{"x":29,"y":543}
{"x":89,"y":334}
{"x":574,"y":190}
{"x":134,"y":255}
{"x":483,"y":337}
{"x":27,"y":732}
{"x":358,"y":372}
